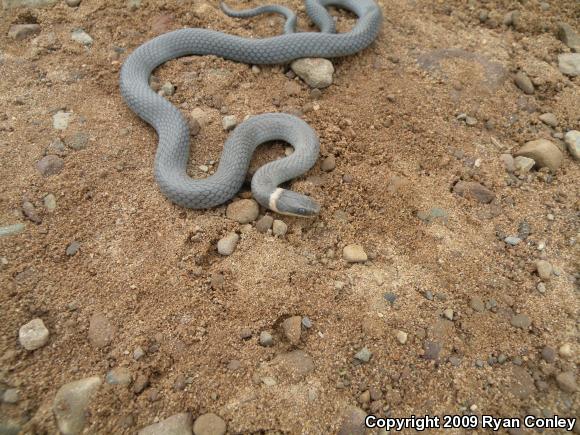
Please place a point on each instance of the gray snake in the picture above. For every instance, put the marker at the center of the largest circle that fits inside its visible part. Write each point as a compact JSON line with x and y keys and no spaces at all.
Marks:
{"x":173,"y":149}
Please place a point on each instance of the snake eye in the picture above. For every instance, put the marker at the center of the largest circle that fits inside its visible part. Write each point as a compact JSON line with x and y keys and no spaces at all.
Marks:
{"x":302,"y":211}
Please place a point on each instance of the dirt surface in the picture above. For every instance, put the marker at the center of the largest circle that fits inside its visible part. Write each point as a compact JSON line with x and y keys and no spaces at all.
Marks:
{"x":391,"y":120}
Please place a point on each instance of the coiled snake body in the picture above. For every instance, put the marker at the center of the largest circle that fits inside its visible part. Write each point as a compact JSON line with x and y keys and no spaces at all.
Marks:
{"x":173,"y":148}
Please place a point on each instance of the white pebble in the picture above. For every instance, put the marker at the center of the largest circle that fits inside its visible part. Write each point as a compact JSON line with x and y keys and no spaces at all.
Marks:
{"x":227,"y":245}
{"x":402,"y":337}
{"x":279,"y":228}
{"x":33,"y":335}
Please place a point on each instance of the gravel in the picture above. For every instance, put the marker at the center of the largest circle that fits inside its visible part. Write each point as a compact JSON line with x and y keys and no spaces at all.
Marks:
{"x":354,"y":254}
{"x":178,"y":424}
{"x":243,"y":211}
{"x":33,"y":335}
{"x":50,"y":165}
{"x":71,"y":402}
{"x":209,"y":424}
{"x":316,"y":72}
{"x":227,"y":245}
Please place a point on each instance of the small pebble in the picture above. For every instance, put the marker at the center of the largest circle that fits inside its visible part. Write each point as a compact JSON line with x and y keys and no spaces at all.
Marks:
{"x":60,"y":120}
{"x":364,"y":355}
{"x":119,"y":376}
{"x":138,"y":353}
{"x":402,"y":337}
{"x":567,"y":382}
{"x":521,"y":321}
{"x":49,"y":202}
{"x":524,"y":83}
{"x":264,"y":224}
{"x":30,"y":212}
{"x":168,"y":89}
{"x":524,"y":164}
{"x":33,"y":335}
{"x":209,"y":424}
{"x":50,"y":165}
{"x":316,"y":72}
{"x":354,"y":254}
{"x":546,"y":154}
{"x":572,"y":140}
{"x":101,"y":331}
{"x":448,"y":313}
{"x":73,"y":248}
{"x":279,"y":228}
{"x":565,"y":351}
{"x":548,"y":354}
{"x":229,"y":122}
{"x":81,"y":37}
{"x":266,"y":339}
{"x":11,"y":395}
{"x":544,"y":269}
{"x":306,"y":322}
{"x":243,"y":211}
{"x":178,"y":424}
{"x":513,"y":240}
{"x":73,"y":3}
{"x":19,"y":32}
{"x":569,"y":64}
{"x":293,"y":329}
{"x":549,"y":119}
{"x":471,"y":189}
{"x":328,"y":164}
{"x":477,"y":304}
{"x":227,"y":245}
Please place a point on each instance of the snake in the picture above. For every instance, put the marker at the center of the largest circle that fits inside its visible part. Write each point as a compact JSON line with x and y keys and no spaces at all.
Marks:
{"x":171,"y":126}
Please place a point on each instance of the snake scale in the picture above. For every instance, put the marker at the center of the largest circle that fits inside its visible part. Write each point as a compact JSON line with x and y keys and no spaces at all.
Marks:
{"x":173,"y":149}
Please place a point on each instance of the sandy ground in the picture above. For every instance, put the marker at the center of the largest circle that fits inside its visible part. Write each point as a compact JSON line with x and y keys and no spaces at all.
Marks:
{"x":391,"y":120}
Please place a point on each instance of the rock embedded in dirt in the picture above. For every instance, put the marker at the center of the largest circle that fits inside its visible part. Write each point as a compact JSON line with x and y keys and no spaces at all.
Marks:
{"x":508,"y":162}
{"x":119,"y":376}
{"x":33,"y":335}
{"x":82,"y":37}
{"x":512,"y":240}
{"x":227,"y":245}
{"x":448,"y":313}
{"x":266,"y":339}
{"x":178,"y":424}
{"x":544,"y":269}
{"x":279,"y":228}
{"x":546,"y":154}
{"x":477,"y":304}
{"x":73,"y":3}
{"x":549,"y":119}
{"x":101,"y":331}
{"x":30,"y":212}
{"x":243,"y":211}
{"x":316,"y":72}
{"x":78,"y":141}
{"x":569,"y":37}
{"x":524,"y":83}
{"x":293,"y":329}
{"x":353,"y":422}
{"x":264,"y":224}
{"x":567,"y":382}
{"x":50,"y":165}
{"x":569,"y":64}
{"x":11,"y":230}
{"x":364,"y":355}
{"x":402,"y":337}
{"x":549,"y":354}
{"x":72,"y":248}
{"x":61,"y":120}
{"x":572,"y":140}
{"x":71,"y":402}
{"x":167,"y":89}
{"x":354,"y":254}
{"x":524,"y":164}
{"x":328,"y":164}
{"x":229,"y":122}
{"x":521,"y":321}
{"x":209,"y":424}
{"x":432,"y":350}
{"x":141,"y":382}
{"x":471,"y":189}
{"x":11,"y":396}
{"x":49,"y":202}
{"x":294,"y":365}
{"x":20,"y":32}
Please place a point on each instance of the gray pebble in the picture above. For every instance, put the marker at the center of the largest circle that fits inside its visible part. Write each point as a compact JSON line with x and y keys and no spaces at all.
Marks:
{"x":71,"y":402}
{"x":229,"y":122}
{"x":549,"y":354}
{"x":73,"y":3}
{"x":49,"y":202}
{"x":78,"y":141}
{"x":10,"y":230}
{"x":569,"y":64}
{"x":521,"y":321}
{"x":549,"y":119}
{"x":11,"y":395}
{"x":73,"y":248}
{"x":119,"y":376}
{"x":513,"y":240}
{"x":227,"y":245}
{"x":168,"y":89}
{"x":266,"y":339}
{"x":279,"y":228}
{"x":328,"y":164}
{"x":81,"y":37}
{"x":432,"y":350}
{"x":569,"y":37}
{"x":316,"y":72}
{"x":30,"y":212}
{"x":138,"y":353}
{"x":364,"y":355}
{"x":50,"y":165}
{"x":33,"y":335}
{"x":572,"y":140}
{"x":524,"y":83}
{"x":306,"y":322}
{"x":264,"y":224}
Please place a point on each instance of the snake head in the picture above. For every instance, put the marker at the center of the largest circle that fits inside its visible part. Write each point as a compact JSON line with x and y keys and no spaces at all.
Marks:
{"x":291,"y":203}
